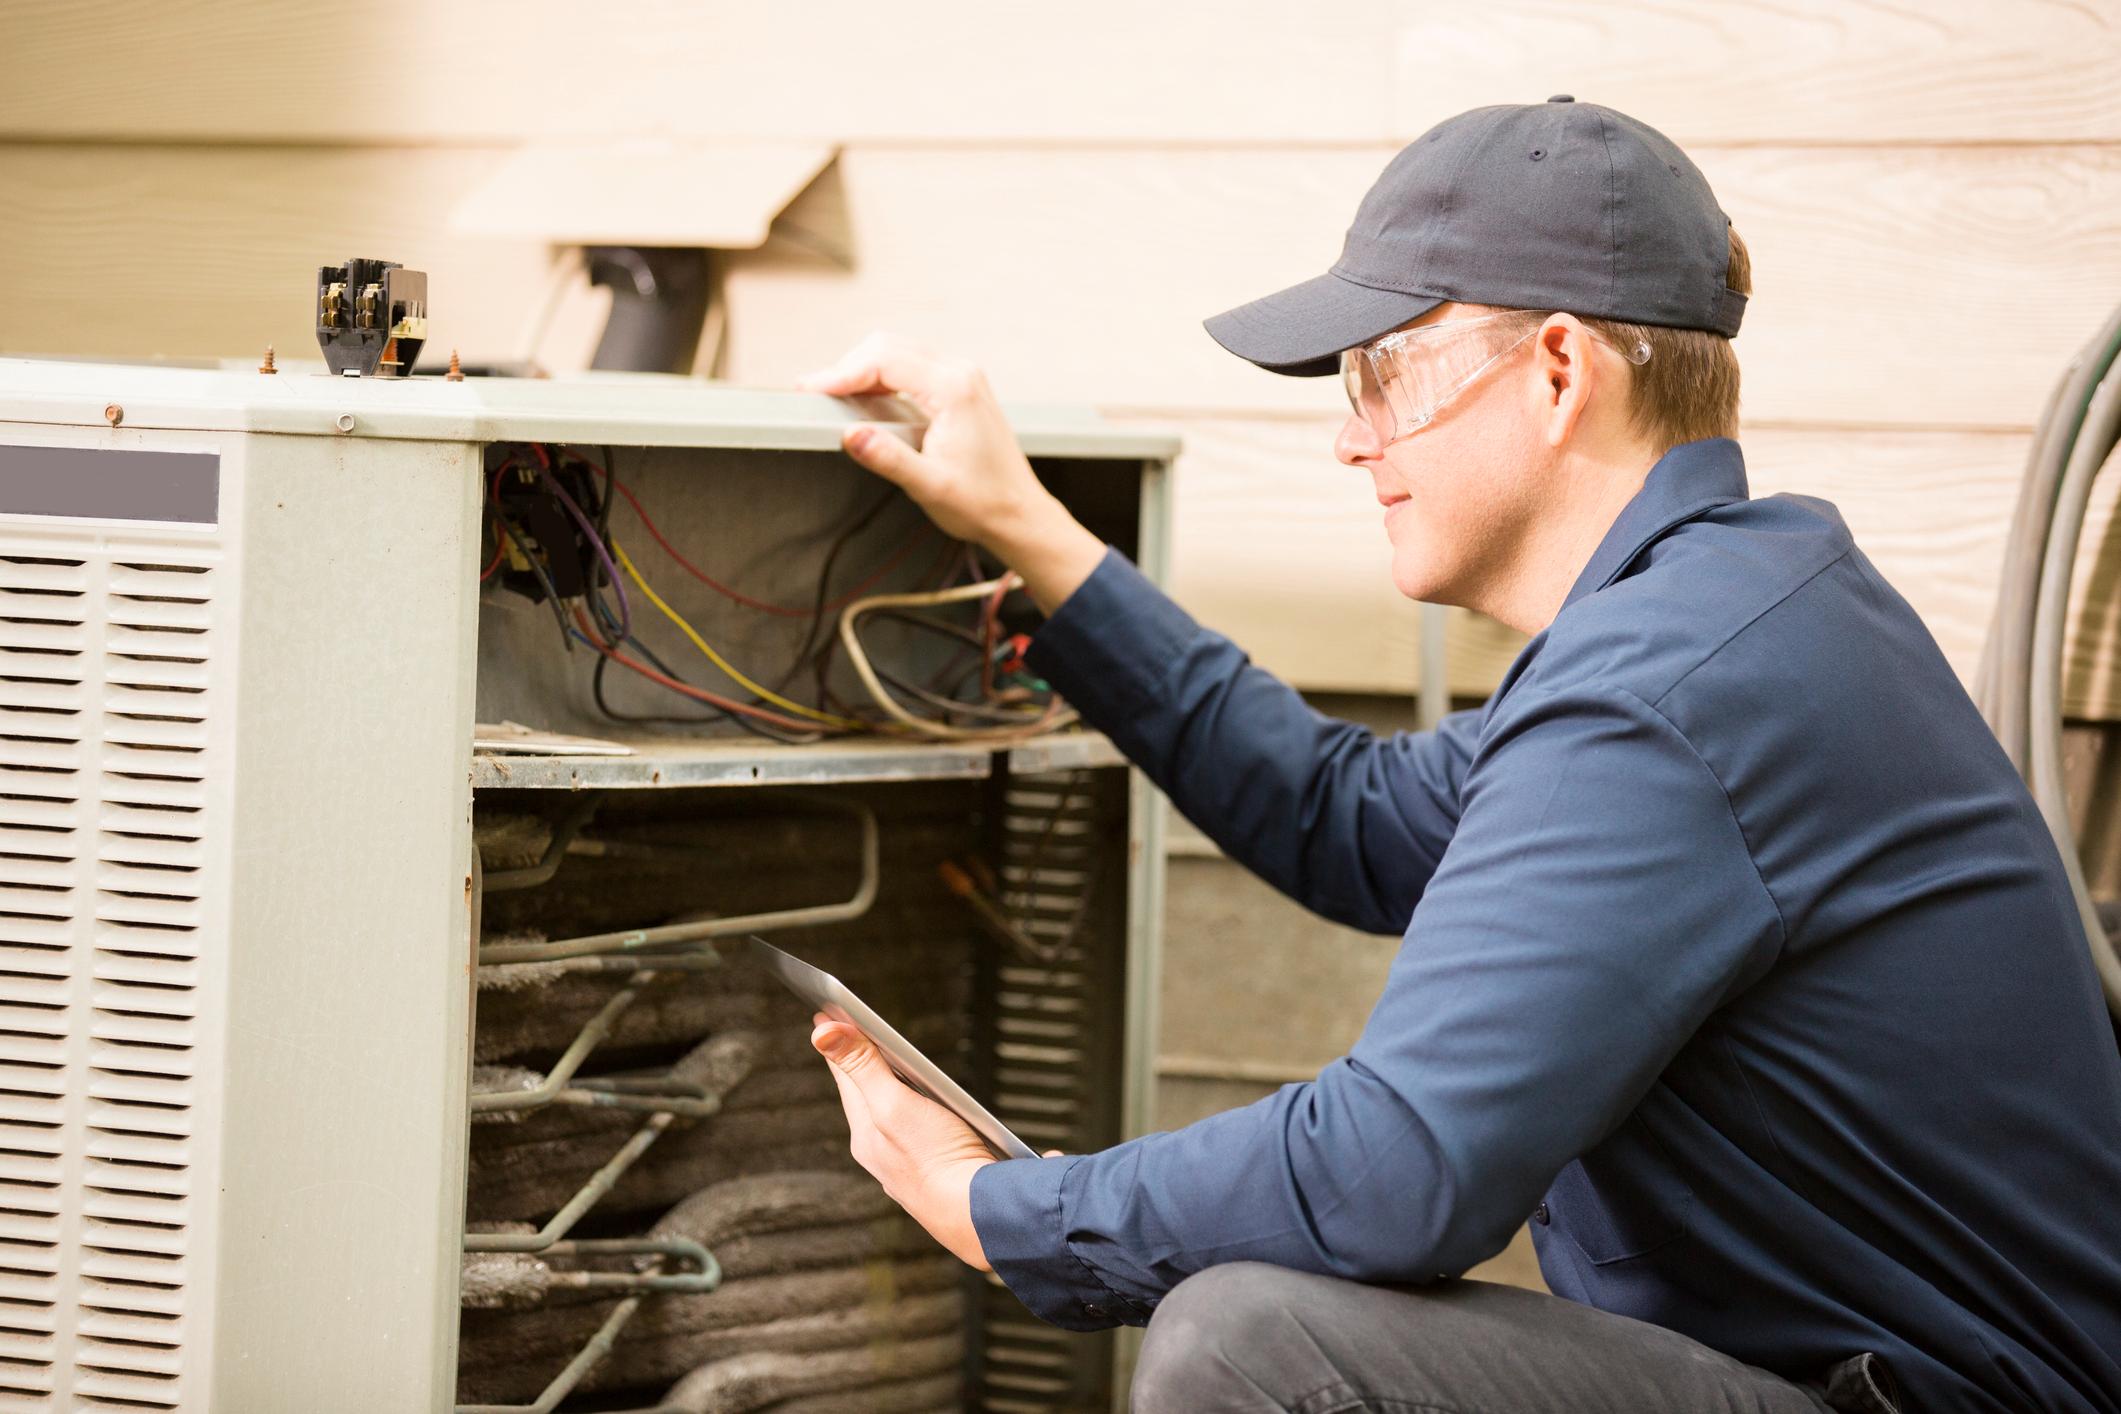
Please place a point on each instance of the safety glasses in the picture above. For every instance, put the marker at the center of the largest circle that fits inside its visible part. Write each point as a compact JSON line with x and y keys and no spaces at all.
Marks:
{"x":1399,"y":382}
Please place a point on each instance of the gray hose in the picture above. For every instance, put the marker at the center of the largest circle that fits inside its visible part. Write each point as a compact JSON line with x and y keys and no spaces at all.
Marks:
{"x":2095,"y":440}
{"x":2019,"y":684}
{"x":2019,"y":583}
{"x":2003,"y":683}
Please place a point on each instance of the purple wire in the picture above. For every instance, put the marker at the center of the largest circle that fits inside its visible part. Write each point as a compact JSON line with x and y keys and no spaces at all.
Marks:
{"x":552,"y":484}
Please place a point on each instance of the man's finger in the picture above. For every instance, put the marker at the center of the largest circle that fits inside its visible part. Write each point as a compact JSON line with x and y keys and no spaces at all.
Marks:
{"x":888,"y":456}
{"x":882,"y":365}
{"x":855,"y":1103}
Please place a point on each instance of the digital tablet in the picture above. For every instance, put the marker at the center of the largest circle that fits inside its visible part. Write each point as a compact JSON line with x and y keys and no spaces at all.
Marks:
{"x":826,"y":993}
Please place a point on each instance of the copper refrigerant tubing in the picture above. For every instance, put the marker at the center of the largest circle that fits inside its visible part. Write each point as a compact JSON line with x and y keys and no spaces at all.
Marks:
{"x":554,"y":1086}
{"x":500,"y":973}
{"x":683,"y":1106}
{"x":563,"y":835}
{"x":700,"y":930}
{"x":600,"y":1183}
{"x":570,"y":1061}
{"x":563,"y":1384}
{"x":706,"y":1279}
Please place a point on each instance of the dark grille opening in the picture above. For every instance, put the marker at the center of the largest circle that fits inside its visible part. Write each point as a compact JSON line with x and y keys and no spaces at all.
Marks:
{"x":828,"y":1293}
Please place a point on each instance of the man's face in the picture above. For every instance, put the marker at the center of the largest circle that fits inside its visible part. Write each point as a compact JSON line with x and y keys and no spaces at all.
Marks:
{"x":1457,"y":495}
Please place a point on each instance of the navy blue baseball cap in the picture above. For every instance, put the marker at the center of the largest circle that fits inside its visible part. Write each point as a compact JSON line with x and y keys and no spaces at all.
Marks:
{"x":1555,"y":205}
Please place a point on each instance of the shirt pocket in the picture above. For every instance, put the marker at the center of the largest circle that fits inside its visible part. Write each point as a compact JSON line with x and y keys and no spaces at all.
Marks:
{"x":1622,"y":1203}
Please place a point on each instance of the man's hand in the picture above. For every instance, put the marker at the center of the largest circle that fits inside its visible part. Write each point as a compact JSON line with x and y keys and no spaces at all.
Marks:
{"x":924,"y":1155}
{"x":969,"y":474}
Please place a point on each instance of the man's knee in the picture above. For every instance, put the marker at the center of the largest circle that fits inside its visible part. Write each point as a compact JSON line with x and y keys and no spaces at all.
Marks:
{"x":1212,"y":1343}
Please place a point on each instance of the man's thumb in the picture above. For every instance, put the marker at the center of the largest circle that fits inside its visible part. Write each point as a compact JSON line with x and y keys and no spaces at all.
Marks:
{"x":847,"y":1048}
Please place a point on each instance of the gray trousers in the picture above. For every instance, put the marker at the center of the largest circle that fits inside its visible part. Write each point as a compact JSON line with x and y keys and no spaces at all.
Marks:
{"x":1250,"y":1337}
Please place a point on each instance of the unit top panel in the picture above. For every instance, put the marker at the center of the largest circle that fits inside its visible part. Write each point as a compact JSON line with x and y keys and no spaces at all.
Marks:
{"x":628,"y":409}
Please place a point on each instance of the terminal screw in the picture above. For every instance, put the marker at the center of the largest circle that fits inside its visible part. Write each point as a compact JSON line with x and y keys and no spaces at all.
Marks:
{"x":267,"y":366}
{"x":113,"y":414}
{"x":456,"y":368}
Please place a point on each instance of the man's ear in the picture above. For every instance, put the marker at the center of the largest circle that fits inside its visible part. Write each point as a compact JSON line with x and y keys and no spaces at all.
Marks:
{"x":1566,"y":372}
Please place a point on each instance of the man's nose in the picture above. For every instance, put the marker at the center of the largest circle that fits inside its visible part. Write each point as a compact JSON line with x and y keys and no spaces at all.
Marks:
{"x":1357,"y":443}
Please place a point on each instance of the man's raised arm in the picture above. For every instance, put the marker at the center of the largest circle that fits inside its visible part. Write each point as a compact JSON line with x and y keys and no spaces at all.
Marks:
{"x":1344,"y":822}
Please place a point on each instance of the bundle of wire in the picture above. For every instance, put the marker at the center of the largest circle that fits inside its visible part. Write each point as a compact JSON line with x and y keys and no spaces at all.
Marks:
{"x":1010,"y":705}
{"x":2019,"y":683}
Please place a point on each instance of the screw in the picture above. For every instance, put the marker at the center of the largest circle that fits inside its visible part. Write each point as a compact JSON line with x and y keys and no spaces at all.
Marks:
{"x":345,"y":422}
{"x":113,"y":414}
{"x":456,"y":368}
{"x":267,"y":366}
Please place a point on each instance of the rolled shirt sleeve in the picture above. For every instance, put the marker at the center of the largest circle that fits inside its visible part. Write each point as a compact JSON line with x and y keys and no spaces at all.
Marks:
{"x":1344,"y":821}
{"x":1597,"y":902}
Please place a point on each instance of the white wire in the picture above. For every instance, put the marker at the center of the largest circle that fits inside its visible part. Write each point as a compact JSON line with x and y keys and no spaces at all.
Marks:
{"x":850,"y":639}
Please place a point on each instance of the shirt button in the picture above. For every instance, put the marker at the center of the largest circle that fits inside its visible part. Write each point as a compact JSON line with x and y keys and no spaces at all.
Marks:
{"x":1540,"y":1215}
{"x":1094,"y":1311}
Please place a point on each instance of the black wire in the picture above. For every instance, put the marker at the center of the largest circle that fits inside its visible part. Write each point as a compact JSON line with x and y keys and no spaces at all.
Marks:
{"x":594,"y":577}
{"x":591,"y":570}
{"x":1018,"y":716}
{"x":907,"y":616}
{"x":756,"y":728}
{"x":712,"y":713}
{"x":607,"y":493}
{"x":552,"y":593}
{"x":608,"y":619}
{"x":603,"y":612}
{"x":824,"y":592}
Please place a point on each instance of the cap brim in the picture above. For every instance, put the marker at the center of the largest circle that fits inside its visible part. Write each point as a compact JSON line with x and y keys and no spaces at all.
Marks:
{"x":1300,"y":331}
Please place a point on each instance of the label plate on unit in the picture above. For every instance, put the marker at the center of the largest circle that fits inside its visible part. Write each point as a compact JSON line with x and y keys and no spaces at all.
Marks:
{"x":100,"y":484}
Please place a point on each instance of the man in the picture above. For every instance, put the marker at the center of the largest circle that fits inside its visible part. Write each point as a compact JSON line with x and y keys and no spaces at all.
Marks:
{"x":1736,"y":956}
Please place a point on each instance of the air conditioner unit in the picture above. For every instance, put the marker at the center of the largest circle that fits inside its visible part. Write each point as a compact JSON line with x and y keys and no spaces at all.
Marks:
{"x":264,"y":907}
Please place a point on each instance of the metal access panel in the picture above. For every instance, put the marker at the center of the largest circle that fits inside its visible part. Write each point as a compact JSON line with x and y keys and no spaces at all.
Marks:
{"x":243,"y":922}
{"x":232,"y":798}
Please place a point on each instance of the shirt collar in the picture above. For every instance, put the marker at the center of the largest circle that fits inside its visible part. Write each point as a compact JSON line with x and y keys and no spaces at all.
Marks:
{"x":1686,"y":481}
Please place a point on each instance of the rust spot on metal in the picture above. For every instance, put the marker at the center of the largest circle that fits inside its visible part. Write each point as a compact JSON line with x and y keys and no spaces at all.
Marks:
{"x":113,"y":414}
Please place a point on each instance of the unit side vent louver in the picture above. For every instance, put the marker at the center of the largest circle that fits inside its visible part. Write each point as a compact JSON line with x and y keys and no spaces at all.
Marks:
{"x":1043,"y":1005}
{"x":105,"y":669}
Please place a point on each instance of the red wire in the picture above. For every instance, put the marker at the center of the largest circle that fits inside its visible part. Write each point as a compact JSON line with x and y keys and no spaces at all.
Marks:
{"x":727,"y":704}
{"x":500,"y":536}
{"x":876,"y":576}
{"x":990,"y":628}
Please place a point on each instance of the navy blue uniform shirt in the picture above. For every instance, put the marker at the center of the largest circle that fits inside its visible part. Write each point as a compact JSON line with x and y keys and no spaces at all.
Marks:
{"x":1739,"y":962}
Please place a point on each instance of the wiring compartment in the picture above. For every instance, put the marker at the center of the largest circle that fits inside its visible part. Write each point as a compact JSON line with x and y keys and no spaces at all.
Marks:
{"x":659,"y":597}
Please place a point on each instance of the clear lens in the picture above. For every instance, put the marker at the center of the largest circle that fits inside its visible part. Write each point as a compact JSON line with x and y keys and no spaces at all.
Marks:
{"x":1400,"y":382}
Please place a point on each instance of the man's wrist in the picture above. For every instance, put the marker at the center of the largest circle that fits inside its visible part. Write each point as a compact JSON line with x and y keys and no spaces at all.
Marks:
{"x":1049,"y":547}
{"x":954,"y":1204}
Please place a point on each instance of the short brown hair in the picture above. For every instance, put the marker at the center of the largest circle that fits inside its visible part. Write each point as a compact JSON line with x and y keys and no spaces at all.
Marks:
{"x":1689,"y":388}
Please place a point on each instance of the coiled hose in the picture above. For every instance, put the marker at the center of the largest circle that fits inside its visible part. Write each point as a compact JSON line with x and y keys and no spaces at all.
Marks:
{"x":2019,"y":683}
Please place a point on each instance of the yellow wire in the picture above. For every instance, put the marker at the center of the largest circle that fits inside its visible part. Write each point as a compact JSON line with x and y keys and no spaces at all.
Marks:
{"x":764,"y":694}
